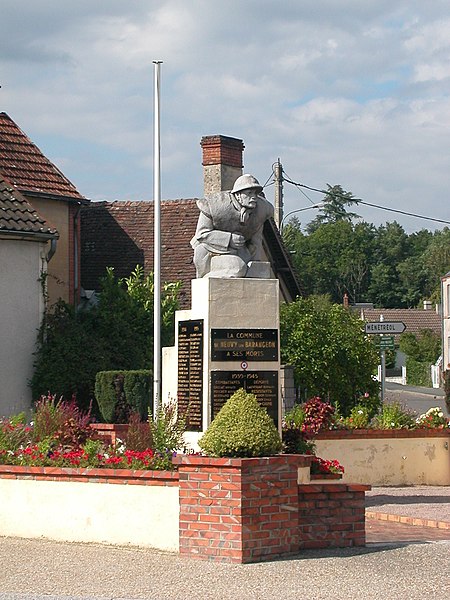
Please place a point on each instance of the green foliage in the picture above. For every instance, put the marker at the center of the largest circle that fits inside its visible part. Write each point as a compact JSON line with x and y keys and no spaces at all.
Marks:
{"x":418,"y":373}
{"x":334,"y":209}
{"x":383,"y":265}
{"x":117,"y":333}
{"x":168,"y":429}
{"x":119,"y":393}
{"x":394,"y":416}
{"x":331,"y":356}
{"x":447,"y":388}
{"x":426,"y":347}
{"x":242,"y":428}
{"x":359,"y":418}
{"x":13,"y":433}
{"x":295,"y":441}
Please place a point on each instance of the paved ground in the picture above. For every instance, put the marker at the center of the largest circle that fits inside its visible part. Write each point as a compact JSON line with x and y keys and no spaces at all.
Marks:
{"x":418,"y":399}
{"x":400,"y":562}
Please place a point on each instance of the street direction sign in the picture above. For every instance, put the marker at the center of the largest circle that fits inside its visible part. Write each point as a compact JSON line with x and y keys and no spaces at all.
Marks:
{"x":385,"y":342}
{"x":382,"y":327}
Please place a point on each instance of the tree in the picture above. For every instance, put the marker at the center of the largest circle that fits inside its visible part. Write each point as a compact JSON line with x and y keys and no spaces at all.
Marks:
{"x":424,"y":347}
{"x":333,"y":259}
{"x":331,"y":356}
{"x":335,"y":202}
{"x":117,"y":333}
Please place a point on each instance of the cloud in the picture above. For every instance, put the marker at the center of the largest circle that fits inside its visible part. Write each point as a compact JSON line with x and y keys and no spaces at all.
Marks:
{"x":353,"y":92}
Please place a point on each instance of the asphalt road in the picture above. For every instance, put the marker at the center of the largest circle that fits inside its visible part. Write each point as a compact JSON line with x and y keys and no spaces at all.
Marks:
{"x":40,"y":569}
{"x":418,"y":399}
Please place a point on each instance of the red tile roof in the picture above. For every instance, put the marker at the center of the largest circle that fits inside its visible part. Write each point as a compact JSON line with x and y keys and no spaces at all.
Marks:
{"x":26,"y":167}
{"x":120,"y":234}
{"x":415,"y":319}
{"x":18,"y":217}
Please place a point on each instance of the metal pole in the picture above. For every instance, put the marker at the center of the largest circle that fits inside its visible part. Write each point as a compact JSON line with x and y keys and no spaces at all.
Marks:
{"x":157,"y":245}
{"x":383,"y":369}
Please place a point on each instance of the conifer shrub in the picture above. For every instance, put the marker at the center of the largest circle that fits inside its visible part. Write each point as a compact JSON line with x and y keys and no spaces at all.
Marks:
{"x":242,"y":428}
{"x":121,"y":393}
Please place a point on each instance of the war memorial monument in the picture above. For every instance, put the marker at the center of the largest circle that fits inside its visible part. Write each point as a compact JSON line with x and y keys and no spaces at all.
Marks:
{"x":229,"y":339}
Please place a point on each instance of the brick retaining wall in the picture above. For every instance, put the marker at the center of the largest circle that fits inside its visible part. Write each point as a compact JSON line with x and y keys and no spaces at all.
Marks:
{"x":331,"y":515}
{"x":223,"y":509}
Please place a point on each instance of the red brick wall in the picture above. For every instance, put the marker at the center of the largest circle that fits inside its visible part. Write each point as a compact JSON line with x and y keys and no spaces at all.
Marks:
{"x":331,"y":515}
{"x":239,"y":510}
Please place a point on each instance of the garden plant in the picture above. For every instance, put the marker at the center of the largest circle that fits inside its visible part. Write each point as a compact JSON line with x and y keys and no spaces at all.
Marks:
{"x":60,"y":435}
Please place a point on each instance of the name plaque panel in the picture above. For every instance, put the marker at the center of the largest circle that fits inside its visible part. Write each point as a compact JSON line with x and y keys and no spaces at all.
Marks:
{"x":244,"y":344}
{"x":190,"y":373}
{"x":263,"y":384}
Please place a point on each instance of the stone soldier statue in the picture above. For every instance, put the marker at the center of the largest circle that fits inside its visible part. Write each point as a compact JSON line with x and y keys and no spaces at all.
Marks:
{"x":230,"y":225}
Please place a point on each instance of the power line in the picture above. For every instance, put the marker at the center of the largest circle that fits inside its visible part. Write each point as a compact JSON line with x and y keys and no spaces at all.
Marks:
{"x":361,"y":201}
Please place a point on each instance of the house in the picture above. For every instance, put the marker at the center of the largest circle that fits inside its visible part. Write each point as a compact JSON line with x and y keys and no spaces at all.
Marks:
{"x":120,"y":234}
{"x":55,"y":199}
{"x":415,"y":319}
{"x":26,"y":242}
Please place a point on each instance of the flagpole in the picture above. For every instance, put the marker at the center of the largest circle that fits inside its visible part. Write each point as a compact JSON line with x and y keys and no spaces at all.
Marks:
{"x":157,"y":245}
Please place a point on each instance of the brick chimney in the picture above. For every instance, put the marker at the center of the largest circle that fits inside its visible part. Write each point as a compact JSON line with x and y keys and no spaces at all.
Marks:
{"x":222,"y":162}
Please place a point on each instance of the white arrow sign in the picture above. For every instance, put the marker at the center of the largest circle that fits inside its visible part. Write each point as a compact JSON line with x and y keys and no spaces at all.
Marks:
{"x":382,"y":327}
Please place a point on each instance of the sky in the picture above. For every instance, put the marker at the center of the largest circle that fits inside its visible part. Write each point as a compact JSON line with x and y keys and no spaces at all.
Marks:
{"x":348,"y":92}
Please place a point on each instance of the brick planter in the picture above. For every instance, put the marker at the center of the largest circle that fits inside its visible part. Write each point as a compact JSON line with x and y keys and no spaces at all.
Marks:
{"x":239,"y":510}
{"x":331,"y":515}
{"x":110,"y":432}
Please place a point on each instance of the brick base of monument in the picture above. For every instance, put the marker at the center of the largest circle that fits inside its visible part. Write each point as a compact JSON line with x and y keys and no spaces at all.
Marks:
{"x":331,"y":515}
{"x":247,"y":510}
{"x":239,"y":510}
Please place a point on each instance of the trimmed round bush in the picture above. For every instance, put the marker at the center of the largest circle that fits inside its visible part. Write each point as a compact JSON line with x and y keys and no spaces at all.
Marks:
{"x":242,"y":428}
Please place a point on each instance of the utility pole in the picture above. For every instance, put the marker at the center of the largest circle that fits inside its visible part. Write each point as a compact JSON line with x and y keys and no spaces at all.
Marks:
{"x":278,"y":172}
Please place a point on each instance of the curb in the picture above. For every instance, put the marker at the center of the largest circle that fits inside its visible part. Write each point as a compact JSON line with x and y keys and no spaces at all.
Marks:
{"x":378,"y":516}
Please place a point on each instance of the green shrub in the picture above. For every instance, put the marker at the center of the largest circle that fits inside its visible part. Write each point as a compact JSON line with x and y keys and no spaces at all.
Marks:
{"x":242,"y":428}
{"x":120,"y":393}
{"x":359,"y":418}
{"x":447,"y":389}
{"x":418,"y":373}
{"x":168,"y":428}
{"x":394,"y":416}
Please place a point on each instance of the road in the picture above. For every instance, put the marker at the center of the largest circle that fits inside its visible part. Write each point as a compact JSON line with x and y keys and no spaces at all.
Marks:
{"x":418,"y":399}
{"x":44,"y":570}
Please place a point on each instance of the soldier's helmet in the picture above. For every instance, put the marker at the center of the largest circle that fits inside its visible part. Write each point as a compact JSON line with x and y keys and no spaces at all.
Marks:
{"x":246,"y":182}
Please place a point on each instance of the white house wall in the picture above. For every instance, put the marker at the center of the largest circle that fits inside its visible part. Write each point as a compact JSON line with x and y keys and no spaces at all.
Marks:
{"x":21,"y":301}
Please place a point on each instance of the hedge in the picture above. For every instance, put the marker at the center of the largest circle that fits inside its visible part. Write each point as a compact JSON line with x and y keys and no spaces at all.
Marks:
{"x":119,"y":393}
{"x":418,"y":373}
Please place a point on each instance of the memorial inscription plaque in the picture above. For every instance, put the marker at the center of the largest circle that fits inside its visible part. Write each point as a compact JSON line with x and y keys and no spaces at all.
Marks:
{"x":244,"y":344}
{"x":263,"y":384}
{"x":190,"y":373}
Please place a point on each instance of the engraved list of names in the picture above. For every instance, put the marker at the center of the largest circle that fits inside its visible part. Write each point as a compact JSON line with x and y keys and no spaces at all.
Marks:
{"x":190,"y":372}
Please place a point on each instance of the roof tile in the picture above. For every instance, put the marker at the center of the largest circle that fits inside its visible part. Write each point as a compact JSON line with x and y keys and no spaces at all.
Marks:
{"x":415,"y":319}
{"x":17,"y":216}
{"x":26,"y":167}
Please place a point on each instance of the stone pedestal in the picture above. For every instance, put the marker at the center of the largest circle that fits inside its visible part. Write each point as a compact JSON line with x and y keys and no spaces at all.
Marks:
{"x":227,"y":341}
